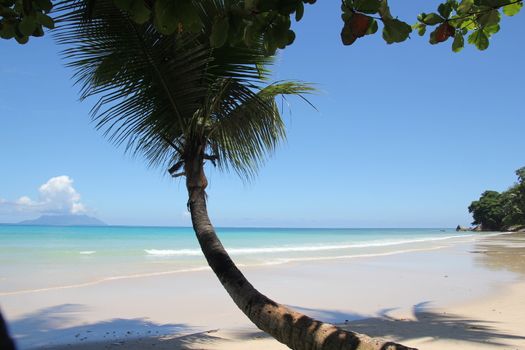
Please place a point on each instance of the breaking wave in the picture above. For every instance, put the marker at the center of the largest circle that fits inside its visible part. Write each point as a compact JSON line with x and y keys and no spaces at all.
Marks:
{"x":299,"y":249}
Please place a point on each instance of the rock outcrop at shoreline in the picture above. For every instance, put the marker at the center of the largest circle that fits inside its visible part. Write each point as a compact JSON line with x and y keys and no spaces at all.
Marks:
{"x":517,"y":228}
{"x":479,"y":228}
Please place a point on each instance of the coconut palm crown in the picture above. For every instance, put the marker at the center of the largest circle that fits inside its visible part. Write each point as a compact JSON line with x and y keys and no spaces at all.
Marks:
{"x":166,"y":96}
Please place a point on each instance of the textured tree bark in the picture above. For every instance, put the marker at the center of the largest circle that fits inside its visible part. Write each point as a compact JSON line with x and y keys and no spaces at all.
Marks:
{"x":291,"y":328}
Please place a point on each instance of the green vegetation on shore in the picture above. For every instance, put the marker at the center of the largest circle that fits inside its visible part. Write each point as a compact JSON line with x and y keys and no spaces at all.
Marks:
{"x":495,"y":211}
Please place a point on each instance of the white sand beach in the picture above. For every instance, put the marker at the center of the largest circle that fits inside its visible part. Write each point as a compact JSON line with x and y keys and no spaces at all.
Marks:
{"x":461,"y":294}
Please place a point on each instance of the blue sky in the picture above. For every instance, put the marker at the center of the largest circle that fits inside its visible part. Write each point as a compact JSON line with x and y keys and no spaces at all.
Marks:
{"x":406,"y":135}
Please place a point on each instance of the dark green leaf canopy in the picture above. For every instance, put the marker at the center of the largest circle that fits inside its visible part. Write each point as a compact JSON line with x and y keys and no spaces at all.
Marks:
{"x":241,"y":23}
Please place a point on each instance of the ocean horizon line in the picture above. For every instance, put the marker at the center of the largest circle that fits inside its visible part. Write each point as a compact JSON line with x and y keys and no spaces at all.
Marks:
{"x":252,"y":227}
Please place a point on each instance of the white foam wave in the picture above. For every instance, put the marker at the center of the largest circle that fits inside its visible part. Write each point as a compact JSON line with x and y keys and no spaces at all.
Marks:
{"x":299,"y":249}
{"x":169,"y":252}
{"x":87,"y":252}
{"x":354,"y":256}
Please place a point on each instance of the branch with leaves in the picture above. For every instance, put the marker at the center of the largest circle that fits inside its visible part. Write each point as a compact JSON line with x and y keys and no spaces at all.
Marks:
{"x":479,"y":19}
{"x":20,"y":19}
{"x":245,"y":23}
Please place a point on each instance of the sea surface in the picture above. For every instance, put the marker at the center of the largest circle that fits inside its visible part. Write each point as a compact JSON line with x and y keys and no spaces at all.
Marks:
{"x":39,"y":258}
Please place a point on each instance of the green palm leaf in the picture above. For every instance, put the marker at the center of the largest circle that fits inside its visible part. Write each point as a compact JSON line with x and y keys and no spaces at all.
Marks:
{"x":245,"y":131}
{"x":162,"y":95}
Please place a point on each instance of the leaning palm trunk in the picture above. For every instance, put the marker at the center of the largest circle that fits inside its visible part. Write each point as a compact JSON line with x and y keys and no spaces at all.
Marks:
{"x":291,"y":328}
{"x":172,"y":98}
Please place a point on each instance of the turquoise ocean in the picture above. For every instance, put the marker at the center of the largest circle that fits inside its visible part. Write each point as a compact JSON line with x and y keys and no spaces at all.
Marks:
{"x":37,"y":258}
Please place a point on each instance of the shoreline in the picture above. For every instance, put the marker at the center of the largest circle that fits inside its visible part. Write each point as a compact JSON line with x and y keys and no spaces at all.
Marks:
{"x":207,"y":268}
{"x":282,"y":261}
{"x":396,"y":296}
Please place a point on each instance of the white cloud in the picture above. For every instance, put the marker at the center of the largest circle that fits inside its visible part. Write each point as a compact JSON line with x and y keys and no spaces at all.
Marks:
{"x":56,"y":196}
{"x":59,"y":195}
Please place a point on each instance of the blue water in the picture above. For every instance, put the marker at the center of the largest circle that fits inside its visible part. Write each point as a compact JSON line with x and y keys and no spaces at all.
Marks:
{"x":39,"y":257}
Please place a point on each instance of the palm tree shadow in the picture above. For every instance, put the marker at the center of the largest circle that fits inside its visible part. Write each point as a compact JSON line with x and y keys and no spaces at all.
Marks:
{"x":425,"y":324}
{"x":330,"y":316}
{"x":49,"y":327}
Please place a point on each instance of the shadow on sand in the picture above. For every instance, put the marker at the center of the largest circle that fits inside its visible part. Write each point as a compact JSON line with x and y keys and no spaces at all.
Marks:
{"x":48,"y":327}
{"x":424,"y":324}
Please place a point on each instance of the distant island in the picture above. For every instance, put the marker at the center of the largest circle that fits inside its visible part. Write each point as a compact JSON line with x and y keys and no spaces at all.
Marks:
{"x":64,"y":220}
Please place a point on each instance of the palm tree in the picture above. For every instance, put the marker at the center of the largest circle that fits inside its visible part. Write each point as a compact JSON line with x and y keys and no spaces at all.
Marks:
{"x":181,"y":103}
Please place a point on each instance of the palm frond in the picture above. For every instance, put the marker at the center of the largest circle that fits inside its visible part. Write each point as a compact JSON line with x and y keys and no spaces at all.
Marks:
{"x":247,"y":127}
{"x":161,"y":96}
{"x":148,"y":85}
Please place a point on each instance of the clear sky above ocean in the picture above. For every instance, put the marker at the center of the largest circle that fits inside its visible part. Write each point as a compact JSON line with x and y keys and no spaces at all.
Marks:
{"x":406,"y":136}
